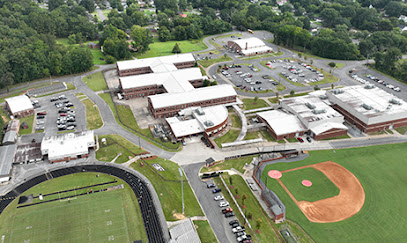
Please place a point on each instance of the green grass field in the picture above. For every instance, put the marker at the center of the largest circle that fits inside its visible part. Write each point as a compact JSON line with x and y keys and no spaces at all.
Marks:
{"x":98,"y":217}
{"x":381,"y":171}
{"x":207,"y":63}
{"x":95,"y":81}
{"x":321,"y":187}
{"x":236,"y":122}
{"x":250,"y":104}
{"x":229,"y":137}
{"x":30,"y":122}
{"x":169,"y":191}
{"x":204,"y":231}
{"x":114,"y":147}
{"x":165,"y":48}
{"x":93,"y":118}
{"x":230,"y":163}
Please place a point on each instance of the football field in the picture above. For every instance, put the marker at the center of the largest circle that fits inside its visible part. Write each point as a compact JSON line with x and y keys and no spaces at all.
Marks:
{"x":107,"y":216}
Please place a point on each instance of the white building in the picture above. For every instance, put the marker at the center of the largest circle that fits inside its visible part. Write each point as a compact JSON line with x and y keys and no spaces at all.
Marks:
{"x":69,"y":146}
{"x":20,"y":106}
{"x":281,"y":124}
{"x":369,"y":108}
{"x":249,"y":46}
{"x":6,"y":162}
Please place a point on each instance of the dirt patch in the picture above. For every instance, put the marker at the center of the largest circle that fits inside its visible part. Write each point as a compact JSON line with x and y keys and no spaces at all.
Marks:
{"x":178,"y":216}
{"x":347,"y":203}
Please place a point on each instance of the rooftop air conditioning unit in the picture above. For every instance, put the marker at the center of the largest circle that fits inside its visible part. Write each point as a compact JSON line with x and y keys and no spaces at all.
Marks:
{"x":337,"y":91}
{"x":309,"y":105}
{"x":320,"y":111}
{"x":208,"y":123}
{"x":395,"y":101}
{"x":367,"y":107}
{"x":200,"y":111}
{"x":370,"y":86}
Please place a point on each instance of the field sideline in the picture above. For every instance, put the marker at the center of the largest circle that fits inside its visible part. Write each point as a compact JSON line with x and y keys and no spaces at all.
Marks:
{"x":97,"y":217}
{"x":381,"y":170}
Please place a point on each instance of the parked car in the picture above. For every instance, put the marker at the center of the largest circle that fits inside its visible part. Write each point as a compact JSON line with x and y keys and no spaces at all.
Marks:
{"x":223,"y":204}
{"x":62,"y":97}
{"x":216,"y":190}
{"x":54,"y":99}
{"x":63,"y":114}
{"x":220,"y":197}
{"x":238,"y":229}
{"x":70,"y":128}
{"x":309,"y":139}
{"x":226,"y":210}
{"x":300,"y":139}
{"x":68,"y":105}
{"x":40,"y":117}
{"x":210,"y":185}
{"x":40,"y":122}
{"x":233,"y":222}
{"x":229,"y":214}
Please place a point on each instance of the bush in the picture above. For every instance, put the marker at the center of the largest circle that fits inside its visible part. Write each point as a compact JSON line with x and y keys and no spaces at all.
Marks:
{"x":110,"y":59}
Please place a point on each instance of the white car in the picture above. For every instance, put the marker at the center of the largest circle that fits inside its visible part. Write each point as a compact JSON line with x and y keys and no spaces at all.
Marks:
{"x":238,"y":229}
{"x":223,"y":204}
{"x":220,"y":197}
{"x":40,"y":122}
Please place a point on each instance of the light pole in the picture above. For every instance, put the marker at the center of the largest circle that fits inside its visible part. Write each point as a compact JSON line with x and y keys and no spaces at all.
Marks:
{"x":182,"y":189}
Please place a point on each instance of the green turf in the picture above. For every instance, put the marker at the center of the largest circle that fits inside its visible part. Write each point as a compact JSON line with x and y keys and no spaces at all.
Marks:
{"x":338,"y":137}
{"x":95,"y":81}
{"x":266,"y":135}
{"x":165,"y":48}
{"x":93,"y":118}
{"x":401,"y":130}
{"x":30,"y":122}
{"x":321,"y":187}
{"x":230,"y":163}
{"x":275,"y":54}
{"x":207,"y":63}
{"x":169,"y":191}
{"x":229,"y":137}
{"x":381,"y":171}
{"x":95,"y":217}
{"x":236,"y":122}
{"x":114,"y":146}
{"x":204,"y":231}
{"x":251,"y":135}
{"x":250,"y":104}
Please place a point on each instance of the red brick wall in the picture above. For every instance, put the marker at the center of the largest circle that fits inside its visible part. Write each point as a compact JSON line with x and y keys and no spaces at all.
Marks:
{"x":68,"y":158}
{"x":331,"y":133}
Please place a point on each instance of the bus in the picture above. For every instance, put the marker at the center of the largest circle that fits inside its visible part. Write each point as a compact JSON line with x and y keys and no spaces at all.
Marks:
{"x":250,"y":31}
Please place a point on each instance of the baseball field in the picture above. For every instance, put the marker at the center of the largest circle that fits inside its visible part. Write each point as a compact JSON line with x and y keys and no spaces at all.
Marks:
{"x":111,"y":215}
{"x":381,"y":171}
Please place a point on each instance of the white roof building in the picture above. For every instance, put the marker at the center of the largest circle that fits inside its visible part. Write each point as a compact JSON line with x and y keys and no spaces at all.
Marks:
{"x":67,"y":145}
{"x":282,"y":122}
{"x":370,"y":105}
{"x":195,"y":120}
{"x":252,"y":45}
{"x":19,"y":104}
{"x":157,"y":64}
{"x":196,"y":95}
{"x":6,"y":161}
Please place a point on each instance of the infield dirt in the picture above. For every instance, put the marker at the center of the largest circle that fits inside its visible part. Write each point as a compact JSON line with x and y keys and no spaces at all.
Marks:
{"x":349,"y":201}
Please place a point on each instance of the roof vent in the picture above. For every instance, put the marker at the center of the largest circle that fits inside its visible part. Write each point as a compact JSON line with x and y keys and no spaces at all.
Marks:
{"x":369,"y":86}
{"x":323,"y":97}
{"x":337,"y":91}
{"x":320,"y":111}
{"x":309,"y":105}
{"x":395,"y":101}
{"x":208,"y":123}
{"x":367,"y":107}
{"x":200,"y":111}
{"x":389,"y":107}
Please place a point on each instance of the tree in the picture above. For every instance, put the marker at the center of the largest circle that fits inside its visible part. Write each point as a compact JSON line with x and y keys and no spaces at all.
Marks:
{"x":176,"y":48}
{"x":277,"y":94}
{"x":258,"y":223}
{"x":249,"y":215}
{"x":164,"y":34}
{"x":110,"y":59}
{"x":332,"y":64}
{"x":53,"y":4}
{"x":141,"y":37}
{"x":292,"y":92}
{"x":394,"y":8}
{"x":311,"y":61}
{"x":88,"y":4}
{"x":230,"y":180}
{"x":244,"y":197}
{"x":236,"y":191}
{"x":256,"y":99}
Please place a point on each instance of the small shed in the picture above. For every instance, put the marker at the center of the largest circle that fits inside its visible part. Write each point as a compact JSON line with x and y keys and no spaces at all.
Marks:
{"x":93,"y":45}
{"x":24,"y":125}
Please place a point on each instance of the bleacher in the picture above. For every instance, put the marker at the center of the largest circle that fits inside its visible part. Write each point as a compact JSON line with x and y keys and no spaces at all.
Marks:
{"x":149,"y":213}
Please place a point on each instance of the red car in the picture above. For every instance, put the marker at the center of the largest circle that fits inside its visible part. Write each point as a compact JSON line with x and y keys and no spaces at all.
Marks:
{"x":250,"y":76}
{"x":300,"y":139}
{"x":42,"y":113}
{"x":62,"y":114}
{"x":210,"y":52}
{"x":227,"y":210}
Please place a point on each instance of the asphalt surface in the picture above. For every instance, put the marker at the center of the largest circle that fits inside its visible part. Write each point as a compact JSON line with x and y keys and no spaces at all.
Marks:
{"x":218,"y":222}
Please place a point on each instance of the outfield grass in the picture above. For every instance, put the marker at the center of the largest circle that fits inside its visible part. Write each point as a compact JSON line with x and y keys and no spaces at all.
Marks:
{"x":30,"y":122}
{"x":96,"y":53}
{"x":165,"y":48}
{"x":93,"y":118}
{"x":228,"y":164}
{"x":229,"y":137}
{"x":381,"y":171}
{"x":236,"y":122}
{"x":321,"y":187}
{"x":95,"y":217}
{"x":95,"y":81}
{"x":204,"y":231}
{"x":250,"y":104}
{"x":114,"y":146}
{"x":207,"y":63}
{"x":169,"y":192}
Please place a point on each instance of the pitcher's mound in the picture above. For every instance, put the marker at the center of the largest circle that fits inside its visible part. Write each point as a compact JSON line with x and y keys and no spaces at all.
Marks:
{"x":275,"y":174}
{"x":306,"y":183}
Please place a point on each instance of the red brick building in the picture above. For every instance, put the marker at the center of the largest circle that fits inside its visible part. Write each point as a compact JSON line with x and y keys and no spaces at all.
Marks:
{"x":19,"y":106}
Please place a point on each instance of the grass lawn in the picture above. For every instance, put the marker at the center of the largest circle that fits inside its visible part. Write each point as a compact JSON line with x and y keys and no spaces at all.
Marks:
{"x":339,"y":65}
{"x":296,"y":95}
{"x":4,"y":115}
{"x":236,"y":122}
{"x":95,"y":81}
{"x":213,"y":52}
{"x":251,"y":135}
{"x":204,"y":231}
{"x":381,"y":170}
{"x":274,"y":100}
{"x":114,"y":146}
{"x":207,"y":63}
{"x":401,"y":130}
{"x":321,"y":187}
{"x":292,"y":140}
{"x":250,"y":104}
{"x":229,"y":137}
{"x":275,"y":54}
{"x":329,"y":78}
{"x":228,"y":164}
{"x":266,"y":135}
{"x":30,"y":122}
{"x":338,"y":137}
{"x":159,"y":48}
{"x":169,"y":192}
{"x":95,"y":217}
{"x":93,"y":118}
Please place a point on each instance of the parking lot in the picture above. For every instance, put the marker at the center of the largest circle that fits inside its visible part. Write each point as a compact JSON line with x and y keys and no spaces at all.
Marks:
{"x":69,"y":115}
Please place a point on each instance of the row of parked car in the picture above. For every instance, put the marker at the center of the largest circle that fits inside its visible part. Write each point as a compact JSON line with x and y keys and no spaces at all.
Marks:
{"x":40,"y":119}
{"x":237,"y":229}
{"x":66,"y":119}
{"x":379,"y":81}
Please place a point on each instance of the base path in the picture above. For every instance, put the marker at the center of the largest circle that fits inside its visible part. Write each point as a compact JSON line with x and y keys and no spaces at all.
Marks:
{"x":347,"y":203}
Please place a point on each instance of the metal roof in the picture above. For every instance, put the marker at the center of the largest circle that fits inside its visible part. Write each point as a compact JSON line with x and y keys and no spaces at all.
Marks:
{"x":19,"y":103}
{"x":6,"y":159}
{"x":282,"y":122}
{"x":154,"y":62}
{"x":10,"y":137}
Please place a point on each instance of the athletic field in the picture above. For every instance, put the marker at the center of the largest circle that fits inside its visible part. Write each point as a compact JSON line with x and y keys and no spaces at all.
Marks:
{"x":104,"y":216}
{"x":382,"y":172}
